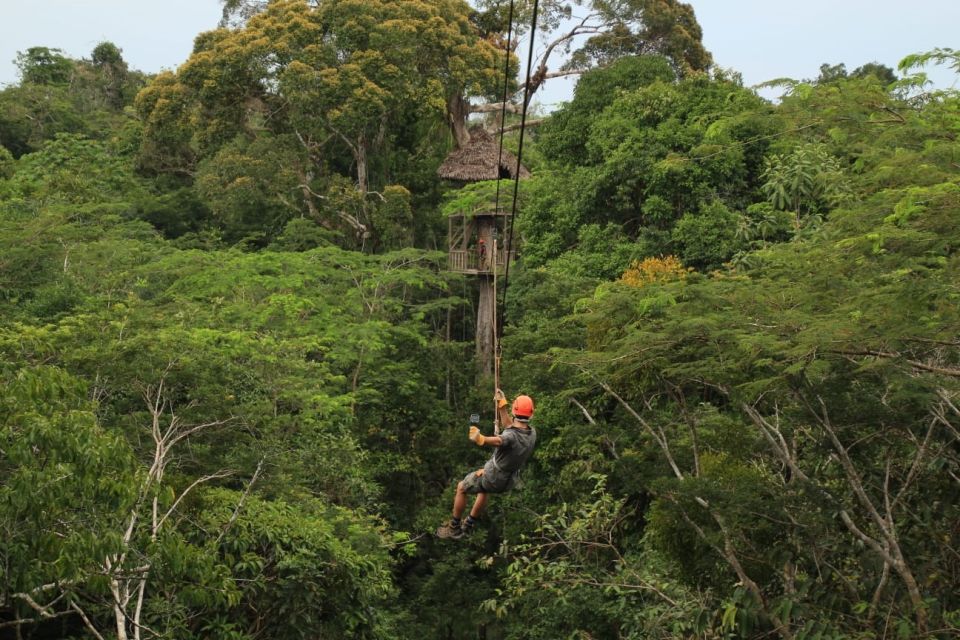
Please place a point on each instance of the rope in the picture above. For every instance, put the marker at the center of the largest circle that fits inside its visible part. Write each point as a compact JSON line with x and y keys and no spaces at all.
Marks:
{"x":498,"y":330}
{"x":496,"y":211}
{"x":496,"y":342}
{"x":498,"y":321}
{"x":503,"y":104}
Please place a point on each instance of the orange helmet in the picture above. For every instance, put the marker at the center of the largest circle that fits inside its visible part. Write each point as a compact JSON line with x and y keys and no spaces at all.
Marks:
{"x":522,"y":408}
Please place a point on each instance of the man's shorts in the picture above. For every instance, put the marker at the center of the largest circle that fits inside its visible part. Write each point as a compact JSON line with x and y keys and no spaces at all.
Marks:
{"x":473,"y":484}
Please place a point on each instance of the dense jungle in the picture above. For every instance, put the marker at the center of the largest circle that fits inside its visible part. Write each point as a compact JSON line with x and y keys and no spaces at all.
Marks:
{"x":236,"y":369}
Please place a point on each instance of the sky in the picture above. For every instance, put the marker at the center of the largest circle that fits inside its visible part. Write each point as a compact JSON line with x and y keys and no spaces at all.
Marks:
{"x":153,"y":34}
{"x":762,"y":39}
{"x":768,"y":39}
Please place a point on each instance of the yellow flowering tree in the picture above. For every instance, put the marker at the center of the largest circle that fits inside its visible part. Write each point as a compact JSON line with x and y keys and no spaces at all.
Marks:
{"x":653,"y":270}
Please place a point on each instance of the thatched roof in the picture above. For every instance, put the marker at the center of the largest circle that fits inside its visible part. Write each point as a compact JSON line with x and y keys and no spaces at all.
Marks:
{"x":478,"y":161}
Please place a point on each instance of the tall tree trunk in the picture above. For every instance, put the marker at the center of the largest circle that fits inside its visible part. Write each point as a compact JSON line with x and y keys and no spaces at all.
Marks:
{"x":458,"y":109}
{"x":363,"y":180}
{"x":485,"y":326}
{"x":449,"y":386}
{"x":363,"y":185}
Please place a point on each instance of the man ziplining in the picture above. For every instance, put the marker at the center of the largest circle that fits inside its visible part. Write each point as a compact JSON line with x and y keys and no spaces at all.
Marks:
{"x":512,"y":449}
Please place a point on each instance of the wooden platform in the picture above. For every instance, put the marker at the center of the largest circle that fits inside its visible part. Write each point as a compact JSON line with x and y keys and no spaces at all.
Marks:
{"x":468,"y":232}
{"x":468,"y":262}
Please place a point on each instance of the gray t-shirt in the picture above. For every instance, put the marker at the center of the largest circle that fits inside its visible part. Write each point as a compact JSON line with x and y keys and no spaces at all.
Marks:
{"x":500,"y":471}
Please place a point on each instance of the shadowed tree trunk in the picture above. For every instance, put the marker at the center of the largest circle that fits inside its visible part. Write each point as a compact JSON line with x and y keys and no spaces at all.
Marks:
{"x":485,"y":326}
{"x":458,"y":110}
{"x":488,"y":301}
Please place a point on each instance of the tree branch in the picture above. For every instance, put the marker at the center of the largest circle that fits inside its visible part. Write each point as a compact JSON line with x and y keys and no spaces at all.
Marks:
{"x":189,"y":431}
{"x":664,"y":445}
{"x":44,"y":611}
{"x":778,"y":444}
{"x":86,"y":620}
{"x":537,"y":79}
{"x":236,"y":511}
{"x":853,"y":478}
{"x":864,"y":538}
{"x":563,"y":74}
{"x":529,"y":124}
{"x":916,"y":364}
{"x":22,"y":621}
{"x":917,"y":461}
{"x":493,"y":107}
{"x":890,"y":551}
{"x":195,"y":483}
{"x":583,"y":409}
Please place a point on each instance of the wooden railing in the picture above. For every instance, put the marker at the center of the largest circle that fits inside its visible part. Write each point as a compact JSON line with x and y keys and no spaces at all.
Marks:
{"x":468,"y":261}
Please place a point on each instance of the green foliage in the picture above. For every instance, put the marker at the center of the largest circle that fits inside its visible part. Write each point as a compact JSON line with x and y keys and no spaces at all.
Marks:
{"x":64,"y":484}
{"x":721,"y":410}
{"x":253,"y":187}
{"x":321,"y":355}
{"x":392,"y":218}
{"x":299,"y":571}
{"x":73,"y":169}
{"x":763,"y":223}
{"x":301,"y":234}
{"x":601,"y":253}
{"x":6,"y":163}
{"x":564,"y":136}
{"x":939,"y":55}
{"x":320,"y":97}
{"x":231,"y":443}
{"x":481,"y":197}
{"x":31,"y":114}
{"x":882,"y":72}
{"x":61,"y":95}
{"x":707,"y":239}
{"x":109,"y":78}
{"x":655,"y":154}
{"x":665,"y":27}
{"x":166,"y":143}
{"x":42,"y":65}
{"x":806,"y":181}
{"x":106,"y":53}
{"x":175,"y":212}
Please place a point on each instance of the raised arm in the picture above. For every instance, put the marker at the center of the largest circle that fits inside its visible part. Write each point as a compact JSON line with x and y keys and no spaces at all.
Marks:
{"x":503,"y":409}
{"x":484,"y":441}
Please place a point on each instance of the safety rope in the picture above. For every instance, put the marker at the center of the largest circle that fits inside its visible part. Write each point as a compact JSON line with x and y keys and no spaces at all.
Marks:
{"x":503,"y":104}
{"x":496,"y":212}
{"x":496,"y":343}
{"x":498,"y":328}
{"x":516,"y":177}
{"x":498,"y":322}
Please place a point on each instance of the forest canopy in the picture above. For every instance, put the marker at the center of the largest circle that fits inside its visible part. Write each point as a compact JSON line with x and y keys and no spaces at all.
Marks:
{"x":236,"y":368}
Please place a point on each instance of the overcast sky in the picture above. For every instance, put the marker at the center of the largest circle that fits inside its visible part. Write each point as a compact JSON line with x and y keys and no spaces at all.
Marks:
{"x":763,"y":39}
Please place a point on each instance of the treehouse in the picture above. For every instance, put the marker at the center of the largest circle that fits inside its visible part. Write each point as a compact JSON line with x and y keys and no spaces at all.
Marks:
{"x":477,"y":242}
{"x":478,"y":231}
{"x":478,"y":238}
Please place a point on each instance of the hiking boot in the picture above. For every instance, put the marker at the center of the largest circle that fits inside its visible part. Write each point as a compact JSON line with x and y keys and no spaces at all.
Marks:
{"x":467,"y":527}
{"x":451,"y":531}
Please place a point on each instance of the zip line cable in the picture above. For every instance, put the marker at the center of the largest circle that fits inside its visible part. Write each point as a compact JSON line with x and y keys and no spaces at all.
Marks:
{"x":503,"y":106}
{"x":498,"y":320}
{"x":498,"y":331}
{"x":496,"y":212}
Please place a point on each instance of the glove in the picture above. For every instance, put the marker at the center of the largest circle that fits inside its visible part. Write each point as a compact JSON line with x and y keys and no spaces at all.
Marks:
{"x":500,"y":399}
{"x":476,"y":436}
